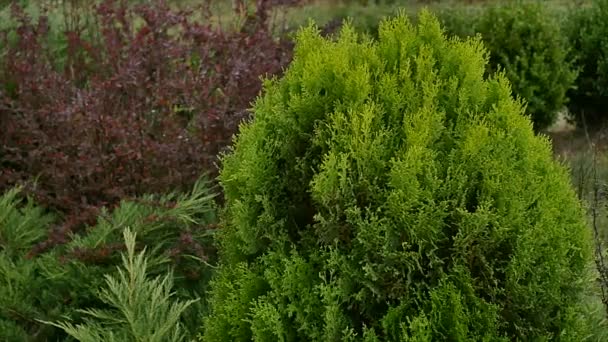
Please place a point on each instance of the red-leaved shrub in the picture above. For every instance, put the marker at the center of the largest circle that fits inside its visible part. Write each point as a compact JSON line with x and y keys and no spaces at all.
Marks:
{"x":139,"y":100}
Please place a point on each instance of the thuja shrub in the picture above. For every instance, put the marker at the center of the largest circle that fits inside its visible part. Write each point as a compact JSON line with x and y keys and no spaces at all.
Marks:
{"x":386,"y":191}
{"x":526,"y":40}
{"x":175,"y":230}
{"x":135,"y":99}
{"x":588,"y":31}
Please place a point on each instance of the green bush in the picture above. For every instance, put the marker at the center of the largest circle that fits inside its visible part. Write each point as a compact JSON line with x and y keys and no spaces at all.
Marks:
{"x":63,"y":280}
{"x":526,"y":41}
{"x":588,"y":31}
{"x":461,"y":21}
{"x":386,"y":191}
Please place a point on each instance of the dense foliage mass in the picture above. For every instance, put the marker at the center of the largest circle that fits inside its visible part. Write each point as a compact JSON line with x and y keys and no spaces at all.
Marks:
{"x":176,"y":229}
{"x":124,"y":100}
{"x":461,"y":21}
{"x":386,"y":191}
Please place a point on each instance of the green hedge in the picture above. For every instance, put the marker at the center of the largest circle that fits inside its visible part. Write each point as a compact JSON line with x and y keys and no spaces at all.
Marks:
{"x":386,"y":191}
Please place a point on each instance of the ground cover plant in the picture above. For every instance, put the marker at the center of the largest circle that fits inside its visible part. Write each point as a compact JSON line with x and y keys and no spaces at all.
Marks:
{"x":142,"y":309}
{"x":98,"y":107}
{"x":386,"y":191}
{"x":175,"y":229}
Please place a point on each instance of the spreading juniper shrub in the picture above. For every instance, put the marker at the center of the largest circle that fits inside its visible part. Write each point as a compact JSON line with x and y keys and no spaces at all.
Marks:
{"x":139,"y":98}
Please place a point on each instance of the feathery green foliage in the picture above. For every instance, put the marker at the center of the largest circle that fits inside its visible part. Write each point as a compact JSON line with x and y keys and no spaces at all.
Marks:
{"x":55,"y":284}
{"x":386,"y":191}
{"x":21,"y":225}
{"x":142,"y":309}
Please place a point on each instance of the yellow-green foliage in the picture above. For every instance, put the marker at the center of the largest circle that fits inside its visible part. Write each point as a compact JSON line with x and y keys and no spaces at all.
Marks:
{"x":386,"y":191}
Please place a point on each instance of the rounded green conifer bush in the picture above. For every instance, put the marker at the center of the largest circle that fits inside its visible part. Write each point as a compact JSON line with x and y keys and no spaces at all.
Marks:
{"x":386,"y":191}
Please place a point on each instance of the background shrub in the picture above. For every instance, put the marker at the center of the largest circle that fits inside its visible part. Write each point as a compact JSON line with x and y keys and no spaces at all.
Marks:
{"x":461,"y":21}
{"x":588,"y":31}
{"x":386,"y":191}
{"x":525,"y":39}
{"x":176,"y":230}
{"x":132,"y":100}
